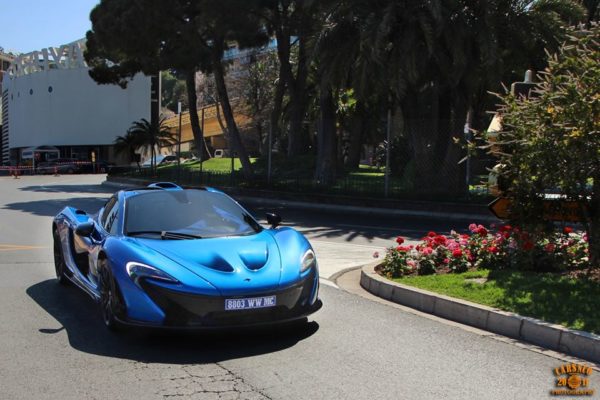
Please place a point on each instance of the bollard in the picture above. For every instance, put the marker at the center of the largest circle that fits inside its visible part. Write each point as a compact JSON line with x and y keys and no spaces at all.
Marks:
{"x":16,"y":171}
{"x":56,"y":171}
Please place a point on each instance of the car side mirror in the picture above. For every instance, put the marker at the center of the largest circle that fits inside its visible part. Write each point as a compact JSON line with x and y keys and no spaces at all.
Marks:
{"x":86,"y":229}
{"x":274,"y":220}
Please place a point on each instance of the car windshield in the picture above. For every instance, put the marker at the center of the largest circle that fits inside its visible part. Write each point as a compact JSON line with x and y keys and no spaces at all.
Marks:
{"x":191,"y":212}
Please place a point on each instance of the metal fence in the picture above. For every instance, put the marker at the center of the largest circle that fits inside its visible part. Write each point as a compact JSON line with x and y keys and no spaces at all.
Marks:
{"x":357,"y":184}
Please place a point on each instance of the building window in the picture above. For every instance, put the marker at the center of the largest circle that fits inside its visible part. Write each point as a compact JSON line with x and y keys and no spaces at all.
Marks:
{"x":50,"y":89}
{"x":30,"y":91}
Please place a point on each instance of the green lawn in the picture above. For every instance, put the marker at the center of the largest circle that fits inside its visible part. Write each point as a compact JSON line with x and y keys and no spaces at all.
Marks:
{"x":549,"y":297}
{"x":214,"y":165}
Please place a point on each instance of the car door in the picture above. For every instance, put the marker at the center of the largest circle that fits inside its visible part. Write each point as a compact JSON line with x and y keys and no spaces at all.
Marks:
{"x":106,"y":225}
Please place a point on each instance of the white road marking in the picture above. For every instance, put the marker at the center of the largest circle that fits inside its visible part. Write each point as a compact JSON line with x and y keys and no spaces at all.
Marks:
{"x":327,"y":282}
{"x":346,"y":244}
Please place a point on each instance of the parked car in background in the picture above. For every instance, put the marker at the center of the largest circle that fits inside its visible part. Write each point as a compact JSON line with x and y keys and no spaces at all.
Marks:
{"x":60,"y":166}
{"x":220,"y":153}
{"x":99,"y":167}
{"x":160,"y":159}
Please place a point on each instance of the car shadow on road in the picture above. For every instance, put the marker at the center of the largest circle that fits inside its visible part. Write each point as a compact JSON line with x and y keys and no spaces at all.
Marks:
{"x":79,"y":316}
{"x":51,"y":207}
{"x":82,"y":188}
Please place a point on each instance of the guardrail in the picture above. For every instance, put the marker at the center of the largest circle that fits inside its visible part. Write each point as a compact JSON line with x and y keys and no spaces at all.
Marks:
{"x":55,"y":168}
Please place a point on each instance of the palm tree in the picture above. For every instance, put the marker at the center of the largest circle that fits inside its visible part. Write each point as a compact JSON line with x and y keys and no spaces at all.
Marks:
{"x":128,"y":144}
{"x":152,"y":135}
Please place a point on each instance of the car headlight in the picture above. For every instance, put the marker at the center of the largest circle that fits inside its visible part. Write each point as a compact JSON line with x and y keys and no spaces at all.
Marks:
{"x":308,"y":261}
{"x":137,"y":270}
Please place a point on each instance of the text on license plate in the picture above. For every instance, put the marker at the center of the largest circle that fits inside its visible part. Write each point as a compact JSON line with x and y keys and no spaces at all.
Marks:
{"x":248,"y":303}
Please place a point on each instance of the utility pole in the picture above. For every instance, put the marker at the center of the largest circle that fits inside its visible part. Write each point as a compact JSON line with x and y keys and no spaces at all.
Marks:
{"x":388,"y":149}
{"x":269,"y":155}
{"x":179,"y":142}
{"x":203,"y":144}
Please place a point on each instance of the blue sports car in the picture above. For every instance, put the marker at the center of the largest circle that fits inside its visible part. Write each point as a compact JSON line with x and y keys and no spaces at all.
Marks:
{"x":164,"y":256}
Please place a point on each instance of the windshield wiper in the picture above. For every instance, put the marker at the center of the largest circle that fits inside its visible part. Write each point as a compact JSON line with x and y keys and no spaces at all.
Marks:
{"x":166,"y":234}
{"x":253,"y":224}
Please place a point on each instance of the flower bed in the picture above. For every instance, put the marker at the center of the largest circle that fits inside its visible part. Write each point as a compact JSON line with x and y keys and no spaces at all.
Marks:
{"x":503,"y":247}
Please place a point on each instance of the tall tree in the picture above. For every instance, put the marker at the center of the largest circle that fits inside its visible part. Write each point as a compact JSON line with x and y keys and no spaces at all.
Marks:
{"x":257,"y":88}
{"x":129,"y":37}
{"x":229,"y":25}
{"x":127,"y":144}
{"x":152,"y":136}
{"x":293,"y":23}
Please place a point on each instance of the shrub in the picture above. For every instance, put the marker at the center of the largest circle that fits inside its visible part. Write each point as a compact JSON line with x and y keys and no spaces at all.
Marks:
{"x":503,"y":247}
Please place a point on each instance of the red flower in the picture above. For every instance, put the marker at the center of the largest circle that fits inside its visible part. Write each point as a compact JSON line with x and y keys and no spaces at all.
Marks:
{"x":470,"y":256}
{"x":493,"y":249}
{"x":441,"y":239}
{"x":446,"y":261}
{"x":481,"y":230}
{"x":457,"y":253}
{"x":550,"y":247}
{"x":399,"y":240}
{"x":432,"y":234}
{"x":505,"y":228}
{"x":427,"y":251}
{"x":528,"y":245}
{"x":402,"y":249}
{"x":567,"y":230}
{"x":473,"y":228}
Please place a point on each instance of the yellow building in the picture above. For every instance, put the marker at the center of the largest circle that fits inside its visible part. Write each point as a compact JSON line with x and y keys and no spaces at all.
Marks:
{"x":213,"y":133}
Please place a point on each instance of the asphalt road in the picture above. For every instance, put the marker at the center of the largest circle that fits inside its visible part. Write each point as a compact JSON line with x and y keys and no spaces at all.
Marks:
{"x":54,"y":345}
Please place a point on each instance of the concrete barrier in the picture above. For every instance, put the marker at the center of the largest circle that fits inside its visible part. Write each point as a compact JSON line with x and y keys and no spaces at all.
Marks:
{"x":580,"y":344}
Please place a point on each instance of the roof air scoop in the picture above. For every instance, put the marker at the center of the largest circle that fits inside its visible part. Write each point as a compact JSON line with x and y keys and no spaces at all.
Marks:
{"x":164,"y":185}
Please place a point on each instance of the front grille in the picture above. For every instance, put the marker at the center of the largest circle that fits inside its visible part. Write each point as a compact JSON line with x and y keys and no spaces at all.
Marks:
{"x":184,"y":309}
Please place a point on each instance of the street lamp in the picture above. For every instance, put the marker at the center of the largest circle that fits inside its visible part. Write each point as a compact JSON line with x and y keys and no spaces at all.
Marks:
{"x":179,"y":142}
{"x":387,"y":151}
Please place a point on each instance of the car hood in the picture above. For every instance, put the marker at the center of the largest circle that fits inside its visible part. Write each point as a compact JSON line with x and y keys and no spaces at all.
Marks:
{"x":233,"y":265}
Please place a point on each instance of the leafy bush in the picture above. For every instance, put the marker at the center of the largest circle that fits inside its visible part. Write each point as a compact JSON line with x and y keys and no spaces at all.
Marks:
{"x":502,"y":248}
{"x":551,"y":141}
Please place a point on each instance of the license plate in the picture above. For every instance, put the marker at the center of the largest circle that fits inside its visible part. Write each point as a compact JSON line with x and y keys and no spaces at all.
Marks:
{"x":250,"y":303}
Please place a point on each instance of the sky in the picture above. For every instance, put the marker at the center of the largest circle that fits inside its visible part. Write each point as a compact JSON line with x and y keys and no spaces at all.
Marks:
{"x":28,"y":25}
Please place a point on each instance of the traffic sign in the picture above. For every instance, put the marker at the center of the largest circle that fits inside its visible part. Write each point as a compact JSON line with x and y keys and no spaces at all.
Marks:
{"x":500,"y":207}
{"x":555,"y":209}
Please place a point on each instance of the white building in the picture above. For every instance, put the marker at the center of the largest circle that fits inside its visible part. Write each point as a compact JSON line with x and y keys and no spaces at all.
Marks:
{"x":49,"y":99}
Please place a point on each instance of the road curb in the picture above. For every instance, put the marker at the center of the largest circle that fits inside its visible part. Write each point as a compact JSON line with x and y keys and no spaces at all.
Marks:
{"x":580,"y":344}
{"x":334,"y":208}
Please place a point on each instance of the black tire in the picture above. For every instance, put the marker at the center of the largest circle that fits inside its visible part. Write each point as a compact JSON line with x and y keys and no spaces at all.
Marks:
{"x":110,"y":304}
{"x":59,"y":260}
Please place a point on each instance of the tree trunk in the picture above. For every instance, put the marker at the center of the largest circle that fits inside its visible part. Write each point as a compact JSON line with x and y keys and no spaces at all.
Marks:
{"x":232,"y":129}
{"x":326,"y":140}
{"x":277,"y":108}
{"x":436,"y":156}
{"x":190,"y":83}
{"x":358,"y":122}
{"x":297,"y":141}
{"x":296,"y":85}
{"x":594,"y":229}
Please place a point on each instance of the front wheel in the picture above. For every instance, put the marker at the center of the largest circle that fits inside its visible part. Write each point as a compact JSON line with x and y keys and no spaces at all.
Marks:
{"x":59,"y":260}
{"x":109,"y":298}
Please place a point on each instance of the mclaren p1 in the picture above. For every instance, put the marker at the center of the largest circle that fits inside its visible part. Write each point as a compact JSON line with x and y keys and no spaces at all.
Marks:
{"x":165,"y":256}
